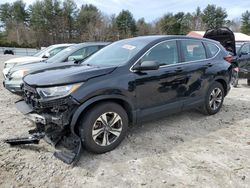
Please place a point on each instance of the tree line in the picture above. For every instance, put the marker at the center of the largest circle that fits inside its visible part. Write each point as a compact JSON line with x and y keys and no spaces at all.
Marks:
{"x":47,"y":22}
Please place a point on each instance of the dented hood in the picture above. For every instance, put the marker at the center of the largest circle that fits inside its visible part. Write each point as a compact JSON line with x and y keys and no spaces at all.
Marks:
{"x":65,"y":75}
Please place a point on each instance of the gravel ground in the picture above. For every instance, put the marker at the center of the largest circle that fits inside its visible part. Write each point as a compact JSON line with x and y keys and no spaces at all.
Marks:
{"x":183,"y":150}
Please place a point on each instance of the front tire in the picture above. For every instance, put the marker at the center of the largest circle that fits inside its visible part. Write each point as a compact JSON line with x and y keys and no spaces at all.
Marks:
{"x":103,"y":127}
{"x":214,"y":99}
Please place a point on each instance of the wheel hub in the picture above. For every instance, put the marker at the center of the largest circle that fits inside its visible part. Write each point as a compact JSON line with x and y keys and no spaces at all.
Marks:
{"x":215,"y":98}
{"x":107,"y":128}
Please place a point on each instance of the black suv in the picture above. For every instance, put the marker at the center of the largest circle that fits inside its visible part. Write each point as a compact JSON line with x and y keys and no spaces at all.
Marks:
{"x":128,"y":82}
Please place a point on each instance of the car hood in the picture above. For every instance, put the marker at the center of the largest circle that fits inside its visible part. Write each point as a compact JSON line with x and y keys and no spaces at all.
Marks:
{"x":65,"y":75}
{"x":25,"y":59}
{"x":36,"y":66}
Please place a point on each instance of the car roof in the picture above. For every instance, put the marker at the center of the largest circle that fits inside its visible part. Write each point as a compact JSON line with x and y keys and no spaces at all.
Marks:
{"x":154,"y":38}
{"x":64,"y":44}
{"x":80,"y":45}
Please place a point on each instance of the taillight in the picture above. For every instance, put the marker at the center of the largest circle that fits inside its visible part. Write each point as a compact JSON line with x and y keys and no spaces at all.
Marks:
{"x":229,"y":58}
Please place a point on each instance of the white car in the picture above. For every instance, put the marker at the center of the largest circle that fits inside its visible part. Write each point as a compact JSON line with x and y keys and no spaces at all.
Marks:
{"x":39,"y":56}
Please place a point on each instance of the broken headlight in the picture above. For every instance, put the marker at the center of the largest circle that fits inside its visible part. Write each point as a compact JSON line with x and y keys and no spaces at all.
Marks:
{"x":58,"y":91}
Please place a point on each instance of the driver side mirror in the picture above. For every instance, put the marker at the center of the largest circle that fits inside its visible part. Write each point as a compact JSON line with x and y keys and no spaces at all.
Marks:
{"x":46,"y":55}
{"x":75,"y":58}
{"x":146,"y":65}
{"x":71,"y":58}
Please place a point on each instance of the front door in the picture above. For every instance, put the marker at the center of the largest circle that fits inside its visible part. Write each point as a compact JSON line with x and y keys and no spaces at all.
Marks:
{"x":158,"y":90}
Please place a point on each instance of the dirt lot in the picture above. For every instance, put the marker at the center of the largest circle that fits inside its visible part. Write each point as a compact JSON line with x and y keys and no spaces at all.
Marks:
{"x":183,"y":150}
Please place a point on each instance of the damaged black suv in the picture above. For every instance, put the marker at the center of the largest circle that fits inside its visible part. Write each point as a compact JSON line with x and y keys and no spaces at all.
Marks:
{"x":128,"y":82}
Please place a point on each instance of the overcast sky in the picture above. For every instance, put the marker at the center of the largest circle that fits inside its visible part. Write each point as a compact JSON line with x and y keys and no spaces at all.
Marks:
{"x":153,"y":9}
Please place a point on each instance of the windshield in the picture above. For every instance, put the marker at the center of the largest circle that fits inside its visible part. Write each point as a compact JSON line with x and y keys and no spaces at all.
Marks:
{"x":63,"y":55}
{"x":41,"y":52}
{"x":117,"y":53}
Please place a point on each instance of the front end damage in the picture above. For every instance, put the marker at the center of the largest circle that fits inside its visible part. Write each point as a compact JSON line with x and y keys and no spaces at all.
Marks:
{"x":52,"y":120}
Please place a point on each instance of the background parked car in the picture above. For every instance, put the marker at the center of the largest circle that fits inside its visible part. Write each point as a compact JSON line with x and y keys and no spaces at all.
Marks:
{"x":243,"y":60}
{"x":39,"y":56}
{"x":68,"y":56}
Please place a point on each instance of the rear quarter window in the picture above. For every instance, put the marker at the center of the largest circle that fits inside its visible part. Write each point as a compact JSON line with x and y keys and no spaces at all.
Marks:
{"x":213,"y":49}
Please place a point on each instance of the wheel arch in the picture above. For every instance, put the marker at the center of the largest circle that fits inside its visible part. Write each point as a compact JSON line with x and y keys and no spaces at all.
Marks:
{"x":224,"y":84}
{"x":128,"y":107}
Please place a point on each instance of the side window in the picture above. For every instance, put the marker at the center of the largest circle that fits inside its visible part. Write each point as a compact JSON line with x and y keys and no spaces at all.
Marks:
{"x":212,"y":48}
{"x":193,"y":50}
{"x":78,"y":55}
{"x":245,"y":48}
{"x":165,"y":53}
{"x":91,"y":50}
{"x":55,"y":51}
{"x":100,"y":47}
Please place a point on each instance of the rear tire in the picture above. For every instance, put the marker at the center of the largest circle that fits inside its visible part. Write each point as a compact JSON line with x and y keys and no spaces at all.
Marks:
{"x":214,"y":99}
{"x":248,"y":82}
{"x":103,"y":127}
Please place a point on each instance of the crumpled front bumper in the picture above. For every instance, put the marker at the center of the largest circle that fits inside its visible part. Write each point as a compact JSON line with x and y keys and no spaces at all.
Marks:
{"x":56,"y":132}
{"x":26,"y":110}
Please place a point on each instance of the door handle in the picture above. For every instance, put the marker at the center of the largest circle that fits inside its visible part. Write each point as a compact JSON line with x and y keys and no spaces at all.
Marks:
{"x":179,"y":69}
{"x":209,"y":65}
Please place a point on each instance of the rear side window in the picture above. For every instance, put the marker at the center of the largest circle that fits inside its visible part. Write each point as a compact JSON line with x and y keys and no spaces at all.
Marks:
{"x":193,"y":50}
{"x":213,"y":49}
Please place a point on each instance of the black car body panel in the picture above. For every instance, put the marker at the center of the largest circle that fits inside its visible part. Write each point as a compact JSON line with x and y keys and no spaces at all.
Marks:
{"x":145,"y":95}
{"x":68,"y":73}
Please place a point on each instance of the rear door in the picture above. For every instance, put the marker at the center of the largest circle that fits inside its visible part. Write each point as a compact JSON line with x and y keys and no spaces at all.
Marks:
{"x":194,"y":65}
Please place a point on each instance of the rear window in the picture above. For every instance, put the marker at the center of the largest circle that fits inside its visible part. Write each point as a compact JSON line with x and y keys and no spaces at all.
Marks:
{"x":212,"y":48}
{"x":193,"y":50}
